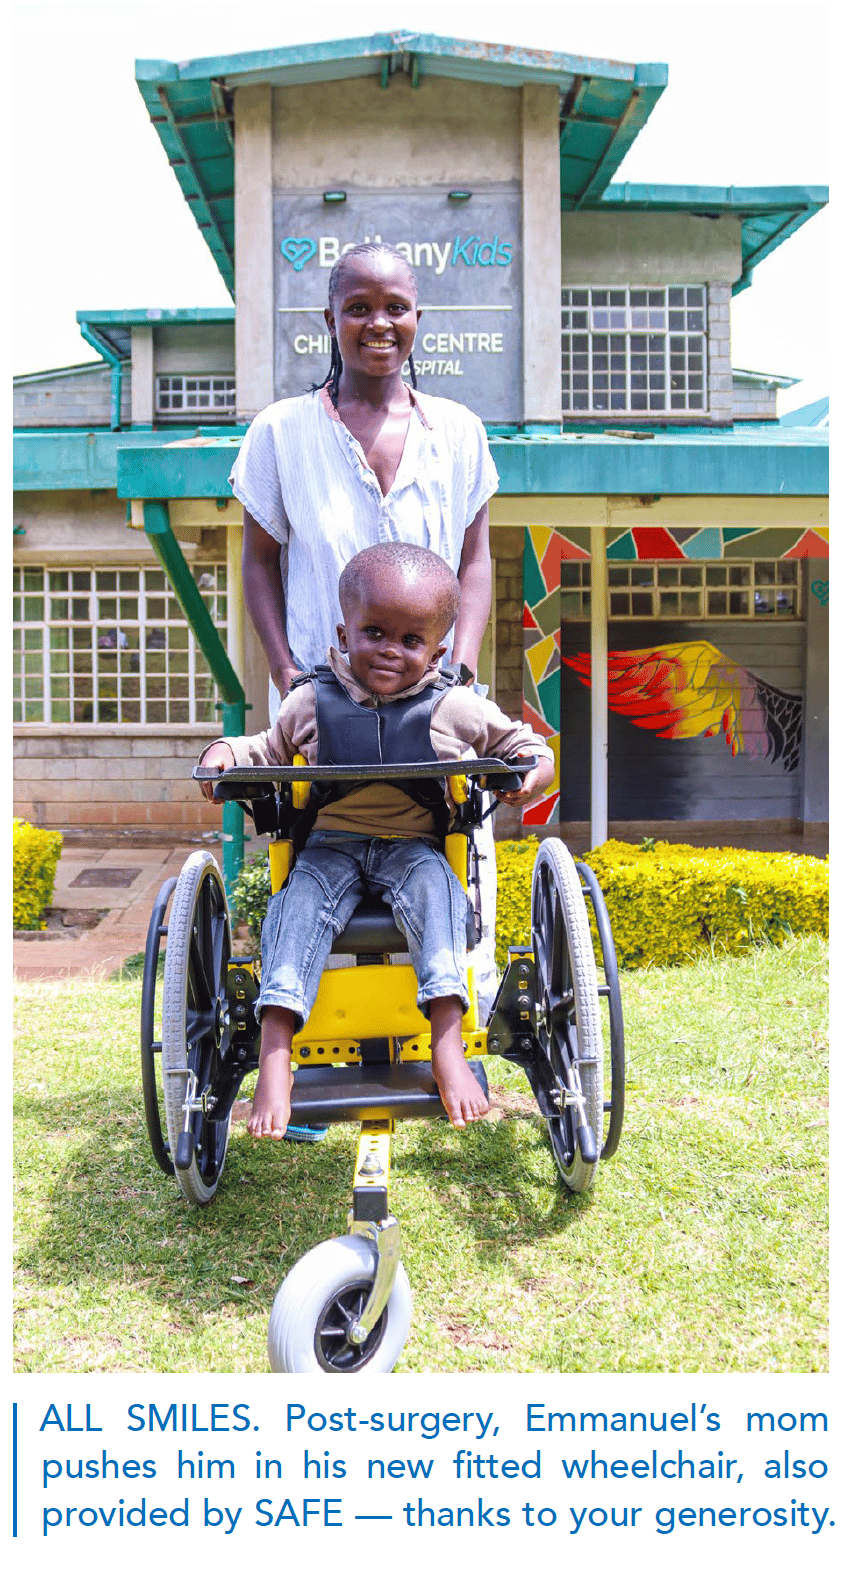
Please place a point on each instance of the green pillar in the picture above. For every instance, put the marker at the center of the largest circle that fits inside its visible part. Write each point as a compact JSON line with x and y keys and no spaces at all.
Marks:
{"x":159,"y":532}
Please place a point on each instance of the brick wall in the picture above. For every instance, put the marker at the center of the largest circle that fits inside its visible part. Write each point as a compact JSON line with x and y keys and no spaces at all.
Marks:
{"x":112,"y":777}
{"x":73,"y":398}
{"x":754,"y":403}
{"x":719,"y":375}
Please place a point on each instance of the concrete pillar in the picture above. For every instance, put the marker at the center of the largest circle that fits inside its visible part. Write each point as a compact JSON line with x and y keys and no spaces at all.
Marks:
{"x":599,"y":786}
{"x":255,"y":325}
{"x":236,"y":604}
{"x":142,"y":375}
{"x":813,"y":770}
{"x":542,"y":246}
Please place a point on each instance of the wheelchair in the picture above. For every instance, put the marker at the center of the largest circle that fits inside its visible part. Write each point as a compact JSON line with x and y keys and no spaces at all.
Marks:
{"x":363,"y":1055}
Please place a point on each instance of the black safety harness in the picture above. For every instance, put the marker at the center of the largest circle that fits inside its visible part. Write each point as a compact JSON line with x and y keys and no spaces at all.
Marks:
{"x":397,"y":732}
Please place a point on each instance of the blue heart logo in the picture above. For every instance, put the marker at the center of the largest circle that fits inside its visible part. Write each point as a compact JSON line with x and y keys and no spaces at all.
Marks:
{"x":298,"y":249}
{"x":820,"y":590}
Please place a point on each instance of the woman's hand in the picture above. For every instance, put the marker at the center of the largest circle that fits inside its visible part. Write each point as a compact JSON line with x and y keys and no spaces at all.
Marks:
{"x":220,"y":757}
{"x":535,"y":785}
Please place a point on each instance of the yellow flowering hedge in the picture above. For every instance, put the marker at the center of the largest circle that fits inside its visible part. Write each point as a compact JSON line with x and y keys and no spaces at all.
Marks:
{"x":669,"y":902}
{"x":35,"y":854}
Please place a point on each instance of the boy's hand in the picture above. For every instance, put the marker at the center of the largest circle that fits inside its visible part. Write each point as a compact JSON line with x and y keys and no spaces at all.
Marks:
{"x":220,"y":757}
{"x":535,"y":785}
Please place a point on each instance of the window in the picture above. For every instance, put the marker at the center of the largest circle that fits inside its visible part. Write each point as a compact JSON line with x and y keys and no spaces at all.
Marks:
{"x":110,"y":645}
{"x":211,"y":393}
{"x":688,"y":590}
{"x":634,"y":351}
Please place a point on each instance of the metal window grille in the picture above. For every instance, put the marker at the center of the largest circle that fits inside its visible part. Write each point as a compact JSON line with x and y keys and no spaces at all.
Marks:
{"x":213,"y":393}
{"x":688,"y":590}
{"x":111,"y":645}
{"x":634,"y":351}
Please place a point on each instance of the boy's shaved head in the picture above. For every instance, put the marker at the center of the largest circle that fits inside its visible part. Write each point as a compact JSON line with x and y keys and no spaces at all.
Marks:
{"x":416,"y":565}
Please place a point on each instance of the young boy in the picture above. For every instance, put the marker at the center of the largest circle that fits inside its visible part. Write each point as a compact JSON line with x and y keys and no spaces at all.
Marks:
{"x":398,"y":604}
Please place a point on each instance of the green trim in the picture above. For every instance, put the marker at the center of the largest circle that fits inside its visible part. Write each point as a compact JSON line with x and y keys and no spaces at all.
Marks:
{"x":113,"y":359}
{"x":167,"y":549}
{"x":142,"y":316}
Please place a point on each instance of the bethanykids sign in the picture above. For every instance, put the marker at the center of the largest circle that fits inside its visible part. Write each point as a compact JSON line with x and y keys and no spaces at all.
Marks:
{"x":467,"y":259}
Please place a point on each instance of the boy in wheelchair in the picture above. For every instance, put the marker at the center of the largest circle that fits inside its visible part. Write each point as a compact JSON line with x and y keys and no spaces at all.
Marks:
{"x":381,"y":699}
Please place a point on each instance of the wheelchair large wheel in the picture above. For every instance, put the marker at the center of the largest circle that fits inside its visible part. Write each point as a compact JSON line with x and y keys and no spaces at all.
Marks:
{"x":569,"y":1029}
{"x":151,"y":1048}
{"x":196,"y":1032}
{"x":326,"y":1289}
{"x":614,"y":1055}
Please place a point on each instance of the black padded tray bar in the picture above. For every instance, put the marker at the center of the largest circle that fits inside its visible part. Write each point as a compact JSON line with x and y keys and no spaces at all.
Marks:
{"x":349,"y":773}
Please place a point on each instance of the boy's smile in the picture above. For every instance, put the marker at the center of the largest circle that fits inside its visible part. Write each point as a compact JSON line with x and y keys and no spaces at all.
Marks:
{"x":392,"y":636}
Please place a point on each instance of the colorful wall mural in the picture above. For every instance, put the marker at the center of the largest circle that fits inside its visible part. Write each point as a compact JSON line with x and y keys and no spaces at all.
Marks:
{"x":679,"y":689}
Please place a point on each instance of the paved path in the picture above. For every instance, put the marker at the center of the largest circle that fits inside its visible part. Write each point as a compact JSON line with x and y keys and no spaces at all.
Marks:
{"x":121,"y":875}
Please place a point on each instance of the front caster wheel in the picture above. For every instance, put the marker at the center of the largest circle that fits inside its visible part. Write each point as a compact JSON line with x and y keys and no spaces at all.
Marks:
{"x":321,"y":1297}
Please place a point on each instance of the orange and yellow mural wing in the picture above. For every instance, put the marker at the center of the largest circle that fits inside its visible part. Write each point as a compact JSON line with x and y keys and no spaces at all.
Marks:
{"x":685,"y":690}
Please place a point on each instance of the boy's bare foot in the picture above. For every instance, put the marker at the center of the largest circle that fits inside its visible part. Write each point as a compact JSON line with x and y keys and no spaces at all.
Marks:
{"x":461,"y":1095}
{"x":270,"y":1110}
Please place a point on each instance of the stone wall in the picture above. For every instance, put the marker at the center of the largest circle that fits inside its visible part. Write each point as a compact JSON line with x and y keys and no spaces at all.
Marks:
{"x":75,"y":396}
{"x":111,"y":777}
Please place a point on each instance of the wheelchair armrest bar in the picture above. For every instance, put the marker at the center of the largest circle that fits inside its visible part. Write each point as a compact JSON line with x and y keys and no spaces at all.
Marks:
{"x":261,"y":775}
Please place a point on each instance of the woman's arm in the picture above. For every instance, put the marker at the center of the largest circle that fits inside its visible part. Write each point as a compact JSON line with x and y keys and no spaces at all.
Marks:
{"x":264,"y":597}
{"x":475,"y":582}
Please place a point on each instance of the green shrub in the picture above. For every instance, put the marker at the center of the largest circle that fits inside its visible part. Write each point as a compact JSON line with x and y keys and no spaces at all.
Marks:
{"x":667,"y":902}
{"x":252,"y":890}
{"x":35,"y":854}
{"x":515,"y":862}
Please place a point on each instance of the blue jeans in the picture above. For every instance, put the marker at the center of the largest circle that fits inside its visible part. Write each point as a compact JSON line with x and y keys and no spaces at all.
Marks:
{"x":328,"y":881}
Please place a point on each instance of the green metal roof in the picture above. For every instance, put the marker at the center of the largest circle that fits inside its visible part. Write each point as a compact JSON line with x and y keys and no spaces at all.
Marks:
{"x":114,"y":327}
{"x":748,"y":460}
{"x":813,"y":415}
{"x":740,"y":374}
{"x":74,"y":460}
{"x":603,"y":106}
{"x":769,"y":214}
{"x":770,"y":461}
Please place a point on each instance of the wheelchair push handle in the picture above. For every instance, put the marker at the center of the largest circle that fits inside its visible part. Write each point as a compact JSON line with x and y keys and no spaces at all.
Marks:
{"x":248,"y":781}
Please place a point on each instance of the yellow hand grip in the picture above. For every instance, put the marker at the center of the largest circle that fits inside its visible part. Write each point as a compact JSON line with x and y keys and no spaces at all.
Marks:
{"x":301,"y":790}
{"x":458,"y":788}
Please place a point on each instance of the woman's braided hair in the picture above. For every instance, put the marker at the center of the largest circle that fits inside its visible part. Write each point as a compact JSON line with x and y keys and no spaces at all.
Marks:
{"x":367,"y":248}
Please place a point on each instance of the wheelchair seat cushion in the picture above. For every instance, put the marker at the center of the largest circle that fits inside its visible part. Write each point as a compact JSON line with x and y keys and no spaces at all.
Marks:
{"x":371,"y":931}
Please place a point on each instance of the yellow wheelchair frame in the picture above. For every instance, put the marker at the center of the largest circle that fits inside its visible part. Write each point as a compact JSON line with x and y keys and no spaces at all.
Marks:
{"x":364,"y":1053}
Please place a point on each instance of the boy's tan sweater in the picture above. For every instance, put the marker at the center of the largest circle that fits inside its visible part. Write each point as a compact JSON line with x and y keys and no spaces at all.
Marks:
{"x":463,"y":723}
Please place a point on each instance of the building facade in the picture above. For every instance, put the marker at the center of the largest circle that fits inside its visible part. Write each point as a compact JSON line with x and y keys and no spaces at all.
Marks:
{"x":659,"y":539}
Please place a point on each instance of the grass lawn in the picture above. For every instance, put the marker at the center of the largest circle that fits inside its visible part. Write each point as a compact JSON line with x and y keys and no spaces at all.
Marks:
{"x":702,"y":1247}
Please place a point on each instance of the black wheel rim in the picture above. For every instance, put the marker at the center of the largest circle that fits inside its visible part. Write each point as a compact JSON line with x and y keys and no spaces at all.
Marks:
{"x":331,"y":1345}
{"x":558,"y":1030}
{"x":206,"y":1033}
{"x":152,"y":1088}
